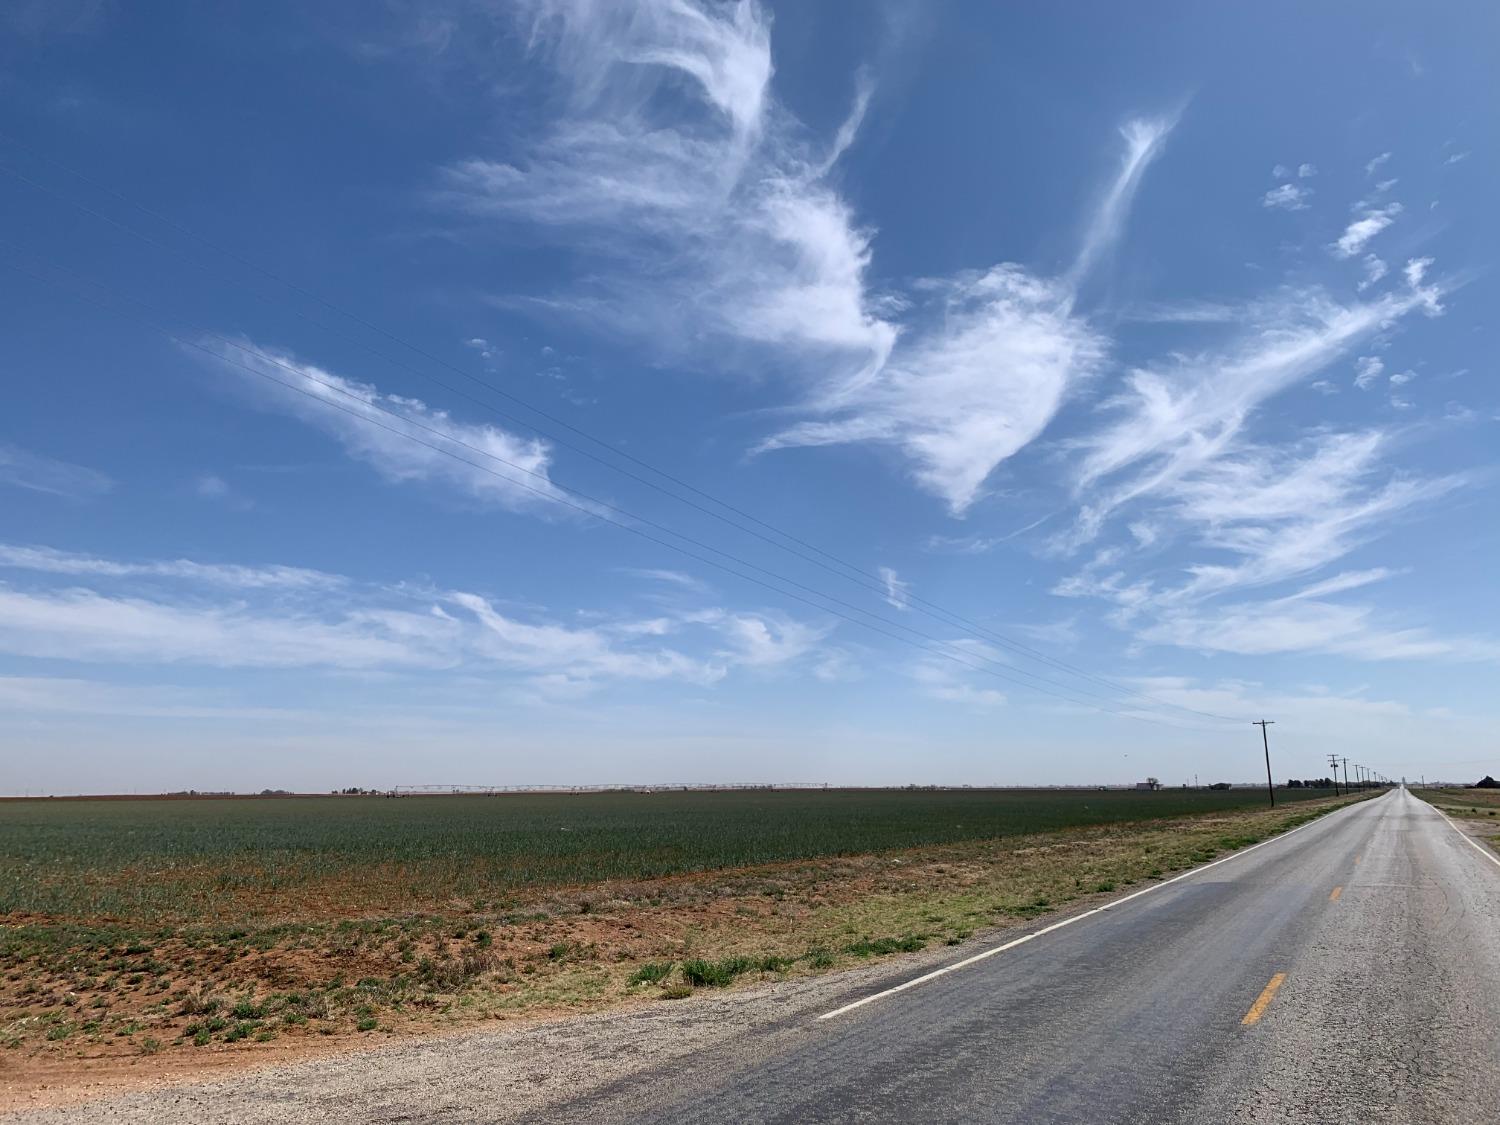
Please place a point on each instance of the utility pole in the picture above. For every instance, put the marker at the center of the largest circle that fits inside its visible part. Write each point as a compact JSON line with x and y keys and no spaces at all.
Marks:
{"x":1333,"y":764}
{"x":1345,"y":760}
{"x":1264,"y":741}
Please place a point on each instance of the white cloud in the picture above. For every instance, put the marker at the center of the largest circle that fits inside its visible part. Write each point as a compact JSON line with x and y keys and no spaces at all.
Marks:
{"x":1144,"y":138}
{"x":1457,"y":157}
{"x":83,"y":625}
{"x":211,"y":487}
{"x":288,"y":617}
{"x":946,"y":680}
{"x":49,"y":560}
{"x":837,"y":665}
{"x":1359,"y":232}
{"x":1401,"y":378}
{"x":676,"y":156}
{"x":404,"y":439}
{"x":35,"y":473}
{"x":1062,"y":633}
{"x":1305,"y":626}
{"x":1282,"y":515}
{"x":1416,"y":270}
{"x":1347,"y":580}
{"x":573,"y":657}
{"x":1367,"y":369}
{"x":1324,"y":387}
{"x":968,"y":392}
{"x":1374,"y":164}
{"x":1280,"y":172}
{"x":1287,"y":515}
{"x":1288,"y":197}
{"x":670,"y":577}
{"x":767,"y":640}
{"x":1306,"y":170}
{"x":714,"y":216}
{"x":1375,"y":269}
{"x":1182,"y":312}
{"x":897,"y":592}
{"x":72,"y":696}
{"x":983,"y":373}
{"x":1180,"y":417}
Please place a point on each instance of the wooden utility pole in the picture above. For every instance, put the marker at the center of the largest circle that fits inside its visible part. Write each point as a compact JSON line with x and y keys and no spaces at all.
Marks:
{"x":1266,"y":742}
{"x":1333,"y":764}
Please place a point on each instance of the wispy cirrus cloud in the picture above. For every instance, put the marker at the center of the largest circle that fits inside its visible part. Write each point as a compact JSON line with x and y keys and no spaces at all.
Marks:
{"x":86,"y":625}
{"x":978,"y":385}
{"x":1175,"y":418}
{"x":1286,"y":515}
{"x":1374,"y":268}
{"x":675,"y":155}
{"x":402,"y":438}
{"x":166,"y":613}
{"x":21,"y":468}
{"x":1368,"y":369}
{"x":897,"y":592}
{"x":1287,"y":197}
{"x":949,"y":682}
{"x":1282,"y":515}
{"x":982,"y":373}
{"x":53,"y":561}
{"x":1144,"y":138}
{"x":715,"y":216}
{"x":1309,"y":626}
{"x":1361,"y":230}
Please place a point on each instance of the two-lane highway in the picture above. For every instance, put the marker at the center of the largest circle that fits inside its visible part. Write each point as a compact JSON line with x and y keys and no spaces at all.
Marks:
{"x":1345,"y":972}
{"x":1349,"y":971}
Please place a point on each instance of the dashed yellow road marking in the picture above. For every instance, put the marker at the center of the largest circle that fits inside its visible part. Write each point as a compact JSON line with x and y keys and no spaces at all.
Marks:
{"x":1334,"y":896}
{"x":1263,"y":1001}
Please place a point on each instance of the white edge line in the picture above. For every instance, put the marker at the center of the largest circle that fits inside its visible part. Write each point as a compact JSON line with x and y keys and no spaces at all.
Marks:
{"x":946,"y":969}
{"x":1478,"y":847}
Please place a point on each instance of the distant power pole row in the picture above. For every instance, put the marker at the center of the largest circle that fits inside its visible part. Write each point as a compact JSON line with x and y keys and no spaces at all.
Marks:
{"x":1364,"y":775}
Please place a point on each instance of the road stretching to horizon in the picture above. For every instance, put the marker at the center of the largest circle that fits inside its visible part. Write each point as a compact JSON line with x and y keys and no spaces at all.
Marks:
{"x":1346,"y":972}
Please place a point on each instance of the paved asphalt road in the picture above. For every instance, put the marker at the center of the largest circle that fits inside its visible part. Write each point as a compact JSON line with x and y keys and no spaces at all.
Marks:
{"x":1387,"y":1010}
{"x":1379,"y":926}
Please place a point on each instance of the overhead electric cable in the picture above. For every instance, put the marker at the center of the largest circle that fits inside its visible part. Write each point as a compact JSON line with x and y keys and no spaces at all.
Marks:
{"x":860,"y":577}
{"x":934,"y":645}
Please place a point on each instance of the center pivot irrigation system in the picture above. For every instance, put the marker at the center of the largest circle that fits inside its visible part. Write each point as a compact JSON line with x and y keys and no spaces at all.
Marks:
{"x":654,"y":787}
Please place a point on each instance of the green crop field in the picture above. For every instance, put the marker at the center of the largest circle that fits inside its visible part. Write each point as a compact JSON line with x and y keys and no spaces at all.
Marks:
{"x":165,"y":860}
{"x":132,"y":927}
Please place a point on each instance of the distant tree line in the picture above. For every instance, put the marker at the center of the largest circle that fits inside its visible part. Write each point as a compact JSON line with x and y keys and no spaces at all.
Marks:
{"x":1310,"y":783}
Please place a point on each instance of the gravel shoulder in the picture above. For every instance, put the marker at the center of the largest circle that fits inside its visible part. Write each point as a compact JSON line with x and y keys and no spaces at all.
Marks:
{"x":515,"y":1073}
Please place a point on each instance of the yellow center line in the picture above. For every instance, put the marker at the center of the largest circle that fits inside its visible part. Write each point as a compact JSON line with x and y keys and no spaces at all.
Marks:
{"x":1263,"y":1001}
{"x":1334,"y":897}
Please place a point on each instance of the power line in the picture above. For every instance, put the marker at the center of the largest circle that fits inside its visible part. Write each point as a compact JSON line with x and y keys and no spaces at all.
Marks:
{"x":936,"y":646}
{"x":860,"y":577}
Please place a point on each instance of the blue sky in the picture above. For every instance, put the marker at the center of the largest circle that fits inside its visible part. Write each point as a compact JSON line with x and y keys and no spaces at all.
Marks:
{"x":1101,"y":379}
